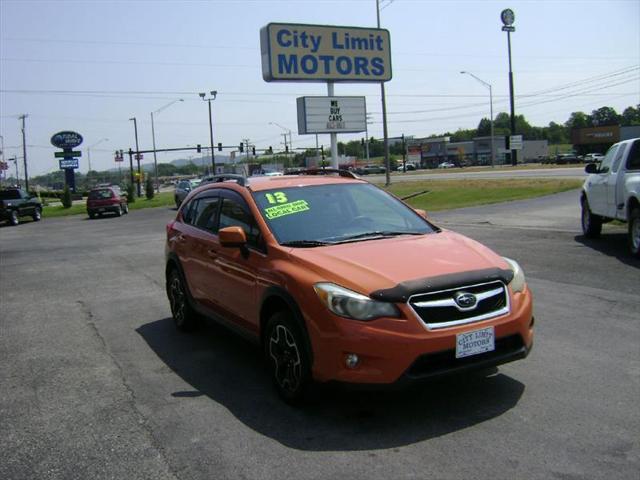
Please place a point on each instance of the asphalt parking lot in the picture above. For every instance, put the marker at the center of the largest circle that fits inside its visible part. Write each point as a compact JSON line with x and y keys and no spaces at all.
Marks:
{"x":96,"y":383}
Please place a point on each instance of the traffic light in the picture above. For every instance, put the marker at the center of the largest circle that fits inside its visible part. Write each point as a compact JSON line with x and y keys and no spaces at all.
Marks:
{"x":270,"y":150}
{"x":253,"y":151}
{"x":241,"y":147}
{"x":219,"y":147}
{"x":362,"y":142}
{"x":199,"y":148}
{"x":286,"y":148}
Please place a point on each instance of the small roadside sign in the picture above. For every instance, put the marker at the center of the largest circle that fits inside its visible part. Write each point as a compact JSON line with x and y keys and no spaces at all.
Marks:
{"x":515,"y":142}
{"x":71,"y":154}
{"x":68,"y":163}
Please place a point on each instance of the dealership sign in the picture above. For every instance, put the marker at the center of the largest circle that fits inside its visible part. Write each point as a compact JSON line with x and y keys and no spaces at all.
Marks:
{"x":66,"y":140}
{"x":295,"y":52}
{"x":331,"y":115}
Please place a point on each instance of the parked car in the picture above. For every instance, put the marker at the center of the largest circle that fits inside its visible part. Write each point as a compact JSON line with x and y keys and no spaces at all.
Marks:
{"x":612,"y":192}
{"x":338,"y":280}
{"x":183,"y":187}
{"x":446,"y":165}
{"x":567,"y":158}
{"x":593,"y":157}
{"x":371,"y":170}
{"x":16,"y":203}
{"x":409,"y":167}
{"x":109,"y":199}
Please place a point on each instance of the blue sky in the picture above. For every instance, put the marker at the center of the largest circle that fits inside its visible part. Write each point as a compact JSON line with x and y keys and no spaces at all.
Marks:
{"x":89,"y":66}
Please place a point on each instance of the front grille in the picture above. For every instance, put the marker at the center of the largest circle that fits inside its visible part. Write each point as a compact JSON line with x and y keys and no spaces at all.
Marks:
{"x":507,"y":349}
{"x":440,"y":309}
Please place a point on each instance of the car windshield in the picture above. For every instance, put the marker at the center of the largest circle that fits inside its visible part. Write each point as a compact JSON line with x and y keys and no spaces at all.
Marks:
{"x":311,"y":216}
{"x":98,"y":194}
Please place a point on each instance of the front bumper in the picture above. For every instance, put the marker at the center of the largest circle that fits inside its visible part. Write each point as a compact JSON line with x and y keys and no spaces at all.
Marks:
{"x":400,"y":351}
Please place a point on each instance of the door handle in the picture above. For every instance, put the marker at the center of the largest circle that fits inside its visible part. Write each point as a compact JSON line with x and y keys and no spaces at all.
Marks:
{"x":212,"y":253}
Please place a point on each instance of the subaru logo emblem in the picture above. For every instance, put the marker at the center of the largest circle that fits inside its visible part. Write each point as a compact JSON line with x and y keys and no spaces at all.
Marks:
{"x":465,"y":300}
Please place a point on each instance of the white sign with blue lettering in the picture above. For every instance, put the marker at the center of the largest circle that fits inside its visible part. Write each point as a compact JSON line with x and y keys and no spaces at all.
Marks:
{"x":320,"y":53}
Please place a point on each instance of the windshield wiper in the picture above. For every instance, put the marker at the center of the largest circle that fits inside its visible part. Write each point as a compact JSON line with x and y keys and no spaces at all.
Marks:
{"x":305,"y":243}
{"x":377,"y":234}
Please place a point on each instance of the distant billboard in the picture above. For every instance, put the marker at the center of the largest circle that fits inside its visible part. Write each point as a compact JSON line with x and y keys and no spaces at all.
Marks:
{"x":595,"y":135}
{"x":331,"y":115}
{"x":319,"y":53}
{"x":66,"y":140}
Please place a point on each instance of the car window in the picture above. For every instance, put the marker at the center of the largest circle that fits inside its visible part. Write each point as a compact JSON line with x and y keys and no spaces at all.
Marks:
{"x":184,"y":184}
{"x":633,"y":160}
{"x":235,"y":212}
{"x":202,"y":212}
{"x":618,"y":159}
{"x":9,"y":195}
{"x":100,"y":194}
{"x":605,"y":166}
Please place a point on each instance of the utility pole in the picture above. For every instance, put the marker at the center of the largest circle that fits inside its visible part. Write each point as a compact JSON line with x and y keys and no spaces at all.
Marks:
{"x":135,"y":127}
{"x":384,"y":115}
{"x":246,"y":148}
{"x":213,"y":94}
{"x":24,"y":153}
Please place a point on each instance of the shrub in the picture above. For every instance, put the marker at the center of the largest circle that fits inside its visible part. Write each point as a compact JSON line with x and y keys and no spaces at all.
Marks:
{"x":148,"y":188}
{"x":131,"y":193}
{"x":66,"y":197}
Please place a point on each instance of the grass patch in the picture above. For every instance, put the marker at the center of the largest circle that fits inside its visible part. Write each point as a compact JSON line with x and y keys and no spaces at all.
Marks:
{"x":163,"y":199}
{"x":448,"y":194}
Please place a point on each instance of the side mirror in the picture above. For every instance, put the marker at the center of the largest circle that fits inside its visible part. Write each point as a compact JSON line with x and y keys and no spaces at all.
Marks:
{"x":591,"y":168}
{"x":422,"y":213}
{"x":232,"y":237}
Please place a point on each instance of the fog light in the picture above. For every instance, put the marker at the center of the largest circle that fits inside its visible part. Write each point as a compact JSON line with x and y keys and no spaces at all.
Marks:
{"x":352,"y":360}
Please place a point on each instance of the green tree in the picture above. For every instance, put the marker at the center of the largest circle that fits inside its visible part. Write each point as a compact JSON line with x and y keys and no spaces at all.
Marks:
{"x":66,"y":197}
{"x":148,"y":188}
{"x":578,"y":120}
{"x":484,"y":127}
{"x":630,"y":116}
{"x":605,"y":116}
{"x":131,"y":193}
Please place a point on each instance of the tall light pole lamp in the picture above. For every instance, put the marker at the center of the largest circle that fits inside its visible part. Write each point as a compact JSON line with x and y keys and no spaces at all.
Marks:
{"x":488,"y":85}
{"x":153,"y":137}
{"x":508,"y":17}
{"x":203,"y":96}
{"x":89,"y":152}
{"x":135,"y":129}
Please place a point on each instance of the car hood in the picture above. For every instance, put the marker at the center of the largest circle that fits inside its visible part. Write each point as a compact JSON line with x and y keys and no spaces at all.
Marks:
{"x":368,"y":266}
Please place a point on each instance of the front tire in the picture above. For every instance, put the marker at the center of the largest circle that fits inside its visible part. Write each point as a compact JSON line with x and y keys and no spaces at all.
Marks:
{"x":37,"y":214}
{"x":119,"y":211}
{"x":591,"y":224}
{"x":13,"y":218}
{"x":634,"y":232}
{"x":183,"y":315}
{"x":287,"y":358}
{"x":125,"y":208}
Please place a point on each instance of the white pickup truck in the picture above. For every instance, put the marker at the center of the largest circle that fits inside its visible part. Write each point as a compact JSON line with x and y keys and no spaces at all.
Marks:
{"x":612,"y":192}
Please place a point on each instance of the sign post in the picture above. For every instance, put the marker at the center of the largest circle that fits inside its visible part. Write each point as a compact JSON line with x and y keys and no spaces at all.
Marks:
{"x":67,"y":141}
{"x":324,"y":53}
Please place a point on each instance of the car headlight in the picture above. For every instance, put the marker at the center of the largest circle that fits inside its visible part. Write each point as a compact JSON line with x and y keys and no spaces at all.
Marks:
{"x":349,"y":304}
{"x":518,"y":282}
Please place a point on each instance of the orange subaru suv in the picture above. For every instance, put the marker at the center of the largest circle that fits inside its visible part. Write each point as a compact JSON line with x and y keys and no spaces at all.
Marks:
{"x":338,"y":280}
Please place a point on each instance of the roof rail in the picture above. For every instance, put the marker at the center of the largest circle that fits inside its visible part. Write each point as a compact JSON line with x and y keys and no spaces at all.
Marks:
{"x":223,"y":178}
{"x":323,"y":171}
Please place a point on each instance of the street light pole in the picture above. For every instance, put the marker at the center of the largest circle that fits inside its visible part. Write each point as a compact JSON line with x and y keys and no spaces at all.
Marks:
{"x":24,"y":153}
{"x":153,"y":137}
{"x":213,"y":94}
{"x":488,"y":85}
{"x":89,"y":152}
{"x":508,"y":17}
{"x":385,"y":131}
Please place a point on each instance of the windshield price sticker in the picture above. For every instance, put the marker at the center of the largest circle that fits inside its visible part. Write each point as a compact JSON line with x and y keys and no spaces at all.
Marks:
{"x":278,"y":211}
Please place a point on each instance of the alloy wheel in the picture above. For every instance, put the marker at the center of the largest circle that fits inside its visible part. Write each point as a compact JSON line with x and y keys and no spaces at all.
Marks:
{"x":284,"y":352}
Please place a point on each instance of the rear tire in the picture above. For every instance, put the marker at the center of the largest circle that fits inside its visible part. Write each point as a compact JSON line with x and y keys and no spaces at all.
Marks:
{"x":288,"y":360}
{"x":634,"y":232}
{"x":125,"y":208}
{"x":591,"y":224}
{"x":37,"y":214}
{"x":183,"y":315}
{"x":119,"y":211}
{"x":13,"y":218}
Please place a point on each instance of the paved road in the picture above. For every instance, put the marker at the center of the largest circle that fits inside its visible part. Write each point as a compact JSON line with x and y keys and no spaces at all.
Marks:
{"x":561,"y":172}
{"x":96,"y":383}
